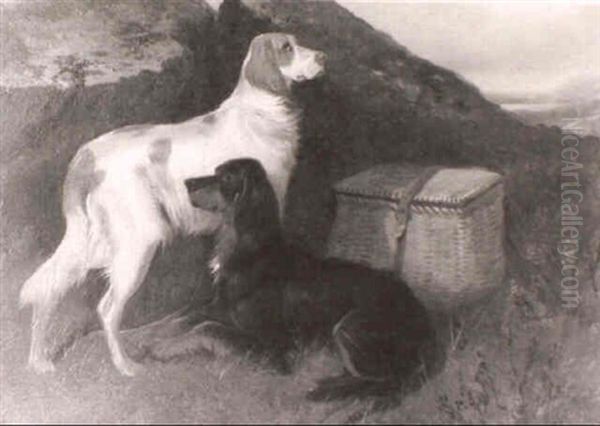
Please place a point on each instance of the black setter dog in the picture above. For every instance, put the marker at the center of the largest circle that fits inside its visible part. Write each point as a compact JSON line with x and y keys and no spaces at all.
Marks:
{"x":272,"y":297}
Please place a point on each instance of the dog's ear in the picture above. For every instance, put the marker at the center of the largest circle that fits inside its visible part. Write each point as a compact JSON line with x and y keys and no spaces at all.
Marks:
{"x":261,"y":68}
{"x":241,"y":196}
{"x":255,"y":204}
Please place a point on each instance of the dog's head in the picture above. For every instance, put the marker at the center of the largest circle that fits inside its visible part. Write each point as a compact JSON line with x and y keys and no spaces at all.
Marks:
{"x":240,"y":191}
{"x":275,"y":60}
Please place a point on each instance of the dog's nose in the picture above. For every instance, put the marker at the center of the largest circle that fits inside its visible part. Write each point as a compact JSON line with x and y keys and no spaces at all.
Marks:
{"x":194,"y":184}
{"x":320,"y":58}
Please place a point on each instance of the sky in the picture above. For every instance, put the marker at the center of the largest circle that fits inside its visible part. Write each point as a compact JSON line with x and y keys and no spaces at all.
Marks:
{"x":508,"y":48}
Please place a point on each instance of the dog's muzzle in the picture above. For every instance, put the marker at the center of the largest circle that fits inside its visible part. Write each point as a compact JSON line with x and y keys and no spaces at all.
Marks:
{"x":205,"y":193}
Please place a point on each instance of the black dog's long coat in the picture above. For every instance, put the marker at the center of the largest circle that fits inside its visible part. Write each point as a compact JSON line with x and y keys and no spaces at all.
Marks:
{"x":275,"y":296}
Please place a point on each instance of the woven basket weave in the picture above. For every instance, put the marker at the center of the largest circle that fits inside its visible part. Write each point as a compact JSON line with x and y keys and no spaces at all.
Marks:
{"x":441,"y":230}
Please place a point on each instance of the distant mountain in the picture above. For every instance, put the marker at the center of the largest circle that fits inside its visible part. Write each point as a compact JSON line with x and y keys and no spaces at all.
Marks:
{"x":574,"y":107}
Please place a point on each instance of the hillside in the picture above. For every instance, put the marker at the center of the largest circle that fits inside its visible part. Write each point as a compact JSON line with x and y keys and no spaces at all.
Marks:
{"x":73,"y":69}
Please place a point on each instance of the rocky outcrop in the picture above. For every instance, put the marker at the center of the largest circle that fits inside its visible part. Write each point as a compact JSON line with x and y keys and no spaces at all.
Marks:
{"x":377,"y":103}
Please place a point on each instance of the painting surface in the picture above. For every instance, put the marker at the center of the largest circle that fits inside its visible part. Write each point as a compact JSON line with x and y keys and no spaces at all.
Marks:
{"x":74,"y":69}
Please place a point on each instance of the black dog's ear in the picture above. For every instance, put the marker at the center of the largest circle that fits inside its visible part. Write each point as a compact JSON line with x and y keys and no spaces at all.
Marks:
{"x":240,"y":197}
{"x":255,"y":204}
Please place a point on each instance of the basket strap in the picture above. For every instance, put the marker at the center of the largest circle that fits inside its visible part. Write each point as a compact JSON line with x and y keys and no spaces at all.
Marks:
{"x":402,"y":207}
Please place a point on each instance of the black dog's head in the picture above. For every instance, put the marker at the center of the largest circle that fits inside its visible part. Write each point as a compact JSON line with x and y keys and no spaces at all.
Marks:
{"x":241,"y":191}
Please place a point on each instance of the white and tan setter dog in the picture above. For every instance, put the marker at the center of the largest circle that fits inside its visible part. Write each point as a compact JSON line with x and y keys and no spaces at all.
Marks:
{"x":124,"y":194}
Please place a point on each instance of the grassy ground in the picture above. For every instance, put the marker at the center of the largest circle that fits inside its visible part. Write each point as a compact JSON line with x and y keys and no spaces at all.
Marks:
{"x":504,"y":363}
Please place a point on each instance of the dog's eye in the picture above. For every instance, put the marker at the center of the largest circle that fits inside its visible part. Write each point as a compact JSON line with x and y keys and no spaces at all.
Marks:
{"x":287,"y":47}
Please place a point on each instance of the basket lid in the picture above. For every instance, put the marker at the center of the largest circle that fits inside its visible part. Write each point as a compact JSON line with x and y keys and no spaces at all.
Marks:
{"x":456,"y":187}
{"x":385,"y":181}
{"x":443,"y":186}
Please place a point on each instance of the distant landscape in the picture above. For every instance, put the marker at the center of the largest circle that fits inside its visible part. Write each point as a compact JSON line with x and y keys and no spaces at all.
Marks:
{"x":540,"y":78}
{"x":573,"y":107}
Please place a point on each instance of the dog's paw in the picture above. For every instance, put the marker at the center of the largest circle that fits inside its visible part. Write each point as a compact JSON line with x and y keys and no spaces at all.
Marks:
{"x":338,"y":387}
{"x":177,"y":348}
{"x":128,"y":367}
{"x":41,"y":365}
{"x":318,"y":394}
{"x":282,"y":365}
{"x":164,"y":351}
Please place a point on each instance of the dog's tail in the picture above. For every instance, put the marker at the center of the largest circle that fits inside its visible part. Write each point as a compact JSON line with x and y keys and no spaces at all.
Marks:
{"x":346,"y":385}
{"x":63,"y":270}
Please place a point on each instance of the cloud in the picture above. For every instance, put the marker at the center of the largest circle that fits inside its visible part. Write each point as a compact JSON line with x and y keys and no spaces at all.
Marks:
{"x":501,"y":47}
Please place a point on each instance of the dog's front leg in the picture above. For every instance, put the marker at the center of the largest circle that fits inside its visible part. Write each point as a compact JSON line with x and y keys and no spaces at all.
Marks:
{"x":172,"y":325}
{"x":209,"y":337}
{"x":218,"y":307}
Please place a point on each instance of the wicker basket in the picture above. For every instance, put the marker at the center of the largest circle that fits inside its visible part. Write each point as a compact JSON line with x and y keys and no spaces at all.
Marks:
{"x":441,"y":230}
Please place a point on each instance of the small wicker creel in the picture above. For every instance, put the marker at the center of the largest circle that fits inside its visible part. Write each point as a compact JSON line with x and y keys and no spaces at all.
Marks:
{"x":440,"y":229}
